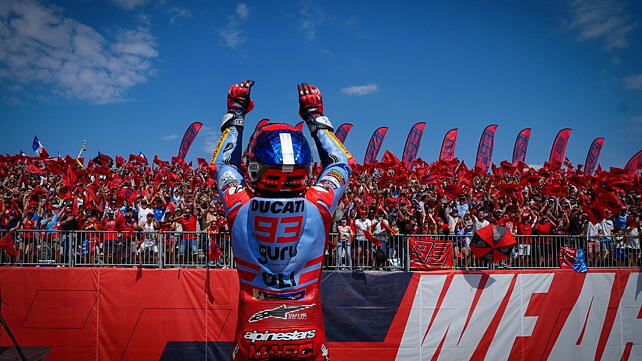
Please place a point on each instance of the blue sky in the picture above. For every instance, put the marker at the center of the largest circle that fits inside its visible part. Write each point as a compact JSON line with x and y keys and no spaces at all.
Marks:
{"x":131,"y":75}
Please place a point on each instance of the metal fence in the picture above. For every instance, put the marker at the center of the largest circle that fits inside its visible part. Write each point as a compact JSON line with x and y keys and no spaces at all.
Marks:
{"x":192,"y":249}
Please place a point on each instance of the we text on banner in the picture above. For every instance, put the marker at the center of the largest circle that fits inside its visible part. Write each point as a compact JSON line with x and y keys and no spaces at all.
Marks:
{"x":413,"y":141}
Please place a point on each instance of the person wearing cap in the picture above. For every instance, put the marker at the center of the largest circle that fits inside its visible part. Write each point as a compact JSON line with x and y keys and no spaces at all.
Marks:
{"x":363,"y":251}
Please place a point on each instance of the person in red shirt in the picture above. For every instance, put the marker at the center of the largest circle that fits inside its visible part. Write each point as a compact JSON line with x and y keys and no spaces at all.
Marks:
{"x":543,"y":246}
{"x":127,"y":246}
{"x":525,"y":222}
{"x":110,"y":225}
{"x":189,"y":241}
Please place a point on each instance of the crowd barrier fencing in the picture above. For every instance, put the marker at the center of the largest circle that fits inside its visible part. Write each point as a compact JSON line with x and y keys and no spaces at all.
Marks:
{"x":192,"y":249}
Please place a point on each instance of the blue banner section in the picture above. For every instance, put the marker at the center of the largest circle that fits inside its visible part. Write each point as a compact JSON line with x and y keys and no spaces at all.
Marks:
{"x":360,"y":306}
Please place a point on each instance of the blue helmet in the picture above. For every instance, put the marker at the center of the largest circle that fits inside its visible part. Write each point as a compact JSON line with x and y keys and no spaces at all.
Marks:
{"x":279,"y":160}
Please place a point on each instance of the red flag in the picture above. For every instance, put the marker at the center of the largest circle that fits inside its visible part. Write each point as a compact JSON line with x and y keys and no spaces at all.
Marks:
{"x":558,"y":150}
{"x":8,"y":245}
{"x":430,"y":254}
{"x":31,"y":168}
{"x":374,"y":240}
{"x":120,"y":161}
{"x":74,"y":209}
{"x":202,"y":162}
{"x":215,"y":250}
{"x":448,"y":145}
{"x":128,"y":195}
{"x":69,"y":179}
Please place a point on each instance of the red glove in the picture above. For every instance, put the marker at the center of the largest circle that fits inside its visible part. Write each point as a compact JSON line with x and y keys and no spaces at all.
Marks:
{"x":238,"y":99}
{"x":238,"y":104}
{"x":310,"y":101}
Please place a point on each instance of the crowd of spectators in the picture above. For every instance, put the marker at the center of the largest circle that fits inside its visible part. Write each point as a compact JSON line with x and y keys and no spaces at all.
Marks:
{"x":600,"y":212}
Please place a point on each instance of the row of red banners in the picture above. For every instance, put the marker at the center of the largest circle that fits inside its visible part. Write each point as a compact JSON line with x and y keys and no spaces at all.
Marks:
{"x":483,"y":161}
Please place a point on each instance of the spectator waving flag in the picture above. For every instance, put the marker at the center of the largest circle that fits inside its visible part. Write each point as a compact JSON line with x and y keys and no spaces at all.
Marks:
{"x":39,"y":148}
{"x":573,"y":258}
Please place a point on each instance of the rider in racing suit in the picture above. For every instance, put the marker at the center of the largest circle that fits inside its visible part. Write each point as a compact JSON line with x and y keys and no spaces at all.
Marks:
{"x":279,"y":226}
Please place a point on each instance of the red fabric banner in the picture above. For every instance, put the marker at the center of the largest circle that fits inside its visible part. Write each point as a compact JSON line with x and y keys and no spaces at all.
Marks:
{"x":413,"y":141}
{"x":635,"y":163}
{"x":485,"y":148}
{"x":448,"y":145}
{"x":430,"y":254}
{"x":521,"y":145}
{"x":342,"y":132}
{"x":188,"y":138}
{"x":558,"y":150}
{"x":374,"y":145}
{"x":593,"y":155}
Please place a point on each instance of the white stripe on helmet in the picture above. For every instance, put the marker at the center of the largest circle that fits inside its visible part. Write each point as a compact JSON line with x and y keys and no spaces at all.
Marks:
{"x":286,"y":148}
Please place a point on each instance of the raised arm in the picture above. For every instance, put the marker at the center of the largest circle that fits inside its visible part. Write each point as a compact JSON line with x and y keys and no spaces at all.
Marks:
{"x":227,"y":154}
{"x":335,"y":158}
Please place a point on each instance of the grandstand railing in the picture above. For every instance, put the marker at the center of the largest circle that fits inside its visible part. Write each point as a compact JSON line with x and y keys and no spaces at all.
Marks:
{"x":192,"y":249}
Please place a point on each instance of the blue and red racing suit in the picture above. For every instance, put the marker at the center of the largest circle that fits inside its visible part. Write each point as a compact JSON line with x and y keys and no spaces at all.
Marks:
{"x":279,"y":246}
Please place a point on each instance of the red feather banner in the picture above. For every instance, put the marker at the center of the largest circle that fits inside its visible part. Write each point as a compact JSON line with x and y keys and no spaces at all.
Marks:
{"x":635,"y":163}
{"x":188,"y":138}
{"x":448,"y":145}
{"x":558,"y":150}
{"x":485,"y":148}
{"x":593,"y":155}
{"x":342,"y":132}
{"x":374,"y":145}
{"x":413,"y":141}
{"x":521,"y":145}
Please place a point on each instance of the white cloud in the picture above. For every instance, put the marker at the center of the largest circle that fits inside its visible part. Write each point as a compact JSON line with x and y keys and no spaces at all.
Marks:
{"x":129,"y":4}
{"x":232,"y":34}
{"x":242,"y":11}
{"x":633,"y":82}
{"x":360,"y":89}
{"x":59,"y":55}
{"x":311,"y":17}
{"x":170,"y":137}
{"x":177,"y":13}
{"x":209,"y":138}
{"x":606,"y":21}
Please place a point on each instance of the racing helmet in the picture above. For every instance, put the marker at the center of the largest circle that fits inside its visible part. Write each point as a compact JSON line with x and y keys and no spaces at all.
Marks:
{"x":279,"y":161}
